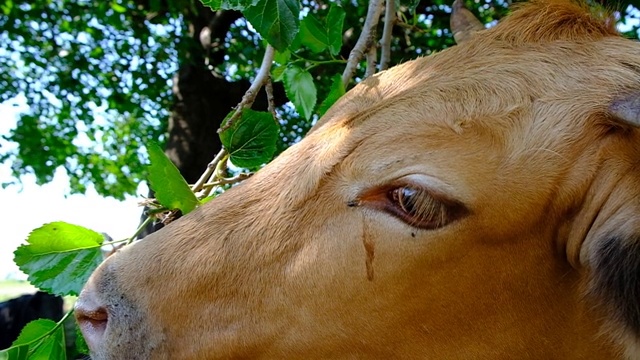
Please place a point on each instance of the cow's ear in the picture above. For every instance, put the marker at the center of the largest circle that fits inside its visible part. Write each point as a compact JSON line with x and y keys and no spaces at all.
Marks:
{"x":611,"y":253}
{"x":463,"y":23}
{"x":610,"y":249}
{"x":626,"y":109}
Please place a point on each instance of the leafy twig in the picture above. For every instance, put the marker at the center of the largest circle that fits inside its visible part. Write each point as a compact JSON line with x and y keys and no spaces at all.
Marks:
{"x":226,"y":181}
{"x":364,"y":41}
{"x":140,"y":228}
{"x":314,"y":63}
{"x":211,"y":167}
{"x":410,"y":27}
{"x":35,"y":343}
{"x":268,"y":88}
{"x":165,"y":215}
{"x":250,"y":96}
{"x":385,"y":41}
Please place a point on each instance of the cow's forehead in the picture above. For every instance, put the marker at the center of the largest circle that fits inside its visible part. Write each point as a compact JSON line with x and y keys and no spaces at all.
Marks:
{"x":454,"y":86}
{"x":544,"y":48}
{"x":459,"y":86}
{"x":531,"y":95}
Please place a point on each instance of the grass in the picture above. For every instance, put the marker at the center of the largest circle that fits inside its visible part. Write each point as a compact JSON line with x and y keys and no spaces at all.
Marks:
{"x":10,"y":289}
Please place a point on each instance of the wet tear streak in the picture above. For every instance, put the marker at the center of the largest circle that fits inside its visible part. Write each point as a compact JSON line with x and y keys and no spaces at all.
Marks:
{"x":369,"y":248}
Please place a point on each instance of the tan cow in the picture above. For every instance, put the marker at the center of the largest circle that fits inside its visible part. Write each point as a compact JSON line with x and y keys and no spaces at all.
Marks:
{"x":481,"y":203}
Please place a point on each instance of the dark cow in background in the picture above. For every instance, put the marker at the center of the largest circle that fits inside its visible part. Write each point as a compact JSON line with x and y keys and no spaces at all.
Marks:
{"x":18,"y":312}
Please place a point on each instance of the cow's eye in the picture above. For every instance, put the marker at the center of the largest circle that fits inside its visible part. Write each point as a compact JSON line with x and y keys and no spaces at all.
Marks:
{"x":415,"y":204}
{"x":417,"y":207}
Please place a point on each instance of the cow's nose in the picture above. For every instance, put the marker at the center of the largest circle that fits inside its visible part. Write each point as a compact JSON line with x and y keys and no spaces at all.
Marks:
{"x":92,"y":317}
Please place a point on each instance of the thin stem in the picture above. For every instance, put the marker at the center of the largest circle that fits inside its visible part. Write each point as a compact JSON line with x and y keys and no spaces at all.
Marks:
{"x":364,"y":41}
{"x":36,"y":341}
{"x":268,"y":88}
{"x":221,"y":167}
{"x":250,"y":96}
{"x":64,"y":318}
{"x":320,"y":63}
{"x":315,"y":63}
{"x":210,"y":169}
{"x":140,"y":228}
{"x":385,"y":41}
{"x":227,"y":181}
{"x":114,"y":242}
{"x":409,"y":27}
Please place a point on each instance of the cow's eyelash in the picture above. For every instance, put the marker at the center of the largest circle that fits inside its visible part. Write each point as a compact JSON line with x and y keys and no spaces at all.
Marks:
{"x":413,"y":204}
{"x":417,"y":207}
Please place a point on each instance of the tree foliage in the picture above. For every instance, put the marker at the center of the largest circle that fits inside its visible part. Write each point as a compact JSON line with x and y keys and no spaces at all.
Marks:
{"x":97,"y":75}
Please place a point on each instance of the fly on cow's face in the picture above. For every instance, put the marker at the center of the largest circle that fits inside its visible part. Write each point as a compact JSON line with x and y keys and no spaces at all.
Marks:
{"x":353,"y":203}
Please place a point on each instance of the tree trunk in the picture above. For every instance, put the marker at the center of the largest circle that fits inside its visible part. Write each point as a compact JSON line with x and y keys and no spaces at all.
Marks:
{"x":202,"y":100}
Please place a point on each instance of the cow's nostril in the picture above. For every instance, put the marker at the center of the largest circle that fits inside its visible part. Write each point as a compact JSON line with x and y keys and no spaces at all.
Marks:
{"x":92,"y":319}
{"x":95,"y":318}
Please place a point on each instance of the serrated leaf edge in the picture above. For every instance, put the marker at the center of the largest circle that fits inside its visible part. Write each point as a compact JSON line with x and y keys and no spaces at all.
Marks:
{"x":41,"y":338}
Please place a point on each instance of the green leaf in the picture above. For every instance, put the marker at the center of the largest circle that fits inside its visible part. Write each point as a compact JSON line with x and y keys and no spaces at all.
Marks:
{"x":97,"y":52}
{"x":6,"y":8}
{"x":33,"y":331}
{"x":296,"y":44}
{"x":335,"y":23}
{"x":59,"y":257}
{"x":300,"y":89}
{"x":229,"y":4}
{"x":81,"y":343}
{"x":40,"y":339}
{"x":118,"y":8}
{"x":335,"y":92}
{"x":15,"y":353}
{"x":282,"y":57}
{"x":275,"y":20}
{"x":172,"y":190}
{"x":277,"y":72}
{"x":313,"y":34}
{"x":318,"y":36}
{"x":251,"y":140}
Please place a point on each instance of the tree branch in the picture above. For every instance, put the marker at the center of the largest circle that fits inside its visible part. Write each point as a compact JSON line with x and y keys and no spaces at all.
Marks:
{"x":372,"y":57}
{"x":385,"y":41}
{"x":211,"y":167}
{"x":226,"y":181}
{"x":219,"y":26}
{"x":271,"y":105}
{"x":250,"y":96}
{"x":365,"y":41}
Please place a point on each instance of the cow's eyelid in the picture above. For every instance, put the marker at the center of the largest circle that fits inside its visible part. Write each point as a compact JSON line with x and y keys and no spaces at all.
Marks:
{"x":417,"y":207}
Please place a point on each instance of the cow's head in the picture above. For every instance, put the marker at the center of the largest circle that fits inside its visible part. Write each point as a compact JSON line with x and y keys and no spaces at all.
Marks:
{"x":483,"y":202}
